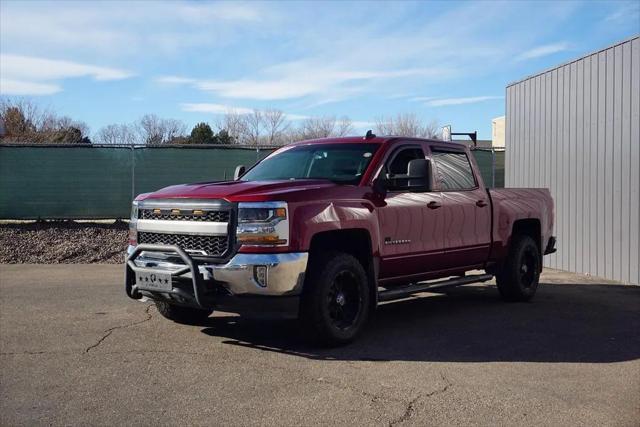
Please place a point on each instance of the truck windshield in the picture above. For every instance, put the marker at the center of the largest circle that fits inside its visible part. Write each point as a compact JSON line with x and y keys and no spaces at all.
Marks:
{"x":341,"y":163}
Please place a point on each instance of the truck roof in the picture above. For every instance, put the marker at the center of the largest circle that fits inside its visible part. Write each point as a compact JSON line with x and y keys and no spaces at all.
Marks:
{"x":374,"y":140}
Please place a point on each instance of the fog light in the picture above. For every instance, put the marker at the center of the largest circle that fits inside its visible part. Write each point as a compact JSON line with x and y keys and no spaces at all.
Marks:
{"x":260,"y":273}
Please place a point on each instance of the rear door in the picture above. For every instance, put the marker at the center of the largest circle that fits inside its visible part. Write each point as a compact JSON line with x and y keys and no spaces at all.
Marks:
{"x":411,"y":221}
{"x":465,"y":207}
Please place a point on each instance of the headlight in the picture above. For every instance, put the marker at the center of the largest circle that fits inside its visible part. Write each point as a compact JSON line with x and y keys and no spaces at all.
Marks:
{"x":263,"y":224}
{"x":133,"y":232}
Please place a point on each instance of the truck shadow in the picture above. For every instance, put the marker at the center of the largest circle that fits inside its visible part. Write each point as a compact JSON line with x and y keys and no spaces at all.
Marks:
{"x":587,"y":323}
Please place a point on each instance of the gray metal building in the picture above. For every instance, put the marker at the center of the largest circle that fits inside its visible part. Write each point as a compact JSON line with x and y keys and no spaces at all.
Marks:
{"x":576,"y":130}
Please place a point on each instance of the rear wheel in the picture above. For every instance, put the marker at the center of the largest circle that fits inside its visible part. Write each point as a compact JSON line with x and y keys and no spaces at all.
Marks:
{"x":335,"y":301}
{"x":181,"y":314}
{"x":518,"y":278}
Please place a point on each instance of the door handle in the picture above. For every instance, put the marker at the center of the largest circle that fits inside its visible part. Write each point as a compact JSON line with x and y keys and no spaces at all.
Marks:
{"x":481,"y":203}
{"x":433,"y":205}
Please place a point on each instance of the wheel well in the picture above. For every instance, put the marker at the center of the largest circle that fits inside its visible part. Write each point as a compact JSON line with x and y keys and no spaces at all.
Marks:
{"x":355,"y":242}
{"x":528,"y":227}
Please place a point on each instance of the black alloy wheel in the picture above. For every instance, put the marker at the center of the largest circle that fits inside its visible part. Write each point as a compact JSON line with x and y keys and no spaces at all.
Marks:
{"x":335,"y":299}
{"x":517,"y":278}
{"x":344,"y":300}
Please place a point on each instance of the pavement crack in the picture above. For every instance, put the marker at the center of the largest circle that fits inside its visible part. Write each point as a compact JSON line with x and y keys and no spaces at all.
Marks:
{"x":408,"y":412}
{"x":411,"y":406}
{"x":109,"y":331}
{"x":447,"y":384}
{"x":373,"y":397}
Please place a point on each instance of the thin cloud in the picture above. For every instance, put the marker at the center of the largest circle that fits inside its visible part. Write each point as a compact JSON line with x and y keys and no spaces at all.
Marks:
{"x":296,"y":116}
{"x":540,"y":51}
{"x":421,"y":98}
{"x":142,"y":27}
{"x":177,"y":80}
{"x":21,"y":87}
{"x":208,"y":13}
{"x":28,"y":75}
{"x":460,"y":101}
{"x":292,"y":80}
{"x":628,"y":12}
{"x":213,"y":108}
{"x":33,"y":68}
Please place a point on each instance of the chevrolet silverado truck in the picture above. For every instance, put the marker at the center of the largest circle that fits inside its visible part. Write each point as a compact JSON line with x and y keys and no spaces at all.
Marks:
{"x":325,"y":230}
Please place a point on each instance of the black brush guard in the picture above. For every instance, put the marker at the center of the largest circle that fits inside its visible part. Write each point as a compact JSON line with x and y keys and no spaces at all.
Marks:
{"x":198,"y":298}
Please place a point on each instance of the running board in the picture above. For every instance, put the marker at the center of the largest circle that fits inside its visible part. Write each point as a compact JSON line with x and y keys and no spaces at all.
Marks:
{"x":406,"y":291}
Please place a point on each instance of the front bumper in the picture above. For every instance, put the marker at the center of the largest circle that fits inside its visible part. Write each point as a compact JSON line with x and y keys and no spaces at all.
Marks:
{"x":232,"y":286}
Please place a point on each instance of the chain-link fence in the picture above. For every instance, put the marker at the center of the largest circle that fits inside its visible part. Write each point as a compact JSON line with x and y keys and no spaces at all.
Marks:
{"x":93,"y":181}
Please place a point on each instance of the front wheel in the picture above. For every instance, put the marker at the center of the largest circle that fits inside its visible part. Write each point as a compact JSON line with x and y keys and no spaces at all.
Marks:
{"x":518,"y":278}
{"x":179,"y":314}
{"x":335,"y":301}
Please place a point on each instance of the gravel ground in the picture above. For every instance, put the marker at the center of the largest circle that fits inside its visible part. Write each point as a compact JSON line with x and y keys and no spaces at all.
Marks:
{"x":64,"y":242}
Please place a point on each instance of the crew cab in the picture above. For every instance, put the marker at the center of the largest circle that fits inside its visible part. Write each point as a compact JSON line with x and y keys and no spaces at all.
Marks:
{"x":325,"y":230}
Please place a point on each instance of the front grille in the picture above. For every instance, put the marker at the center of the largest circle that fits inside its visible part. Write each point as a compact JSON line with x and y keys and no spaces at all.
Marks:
{"x":211,"y":245}
{"x":183,"y":215}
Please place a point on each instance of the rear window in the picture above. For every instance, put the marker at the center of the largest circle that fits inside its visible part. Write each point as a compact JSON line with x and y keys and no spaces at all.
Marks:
{"x":453,"y":170}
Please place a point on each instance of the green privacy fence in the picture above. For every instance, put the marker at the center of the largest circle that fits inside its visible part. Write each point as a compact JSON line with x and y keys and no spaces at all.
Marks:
{"x":73,"y":182}
{"x":491,"y":165}
{"x":92,"y":182}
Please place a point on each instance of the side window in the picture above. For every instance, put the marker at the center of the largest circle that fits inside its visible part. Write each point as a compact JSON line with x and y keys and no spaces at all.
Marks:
{"x":453,"y":170}
{"x":398,"y":165}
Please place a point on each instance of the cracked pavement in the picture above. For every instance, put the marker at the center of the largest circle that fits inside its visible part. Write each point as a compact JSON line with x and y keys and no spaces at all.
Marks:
{"x":75,"y":350}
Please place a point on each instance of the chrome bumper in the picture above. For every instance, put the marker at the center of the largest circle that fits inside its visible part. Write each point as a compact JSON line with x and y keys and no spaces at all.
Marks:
{"x":284,"y":277}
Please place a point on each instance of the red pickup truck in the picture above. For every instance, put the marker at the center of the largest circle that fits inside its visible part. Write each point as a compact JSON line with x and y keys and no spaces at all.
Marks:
{"x":325,"y":230}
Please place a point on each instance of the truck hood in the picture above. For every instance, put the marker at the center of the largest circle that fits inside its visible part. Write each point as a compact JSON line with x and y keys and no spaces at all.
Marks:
{"x":236,"y":191}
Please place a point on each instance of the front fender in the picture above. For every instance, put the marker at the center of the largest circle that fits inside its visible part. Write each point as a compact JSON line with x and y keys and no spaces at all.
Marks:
{"x":317,"y":217}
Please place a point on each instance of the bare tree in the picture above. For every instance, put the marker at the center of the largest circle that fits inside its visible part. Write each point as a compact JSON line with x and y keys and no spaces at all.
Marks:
{"x":253,"y":127}
{"x":116,"y":134}
{"x":149,"y":129}
{"x":233,"y":123}
{"x":276,"y":125}
{"x":324,"y":127}
{"x":152,"y":129}
{"x":174,"y":129}
{"x":406,"y":124}
{"x":53,"y":123}
{"x":343,"y":127}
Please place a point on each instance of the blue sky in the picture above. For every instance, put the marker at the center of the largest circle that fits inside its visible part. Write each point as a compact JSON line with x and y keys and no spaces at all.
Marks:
{"x":111,"y":62}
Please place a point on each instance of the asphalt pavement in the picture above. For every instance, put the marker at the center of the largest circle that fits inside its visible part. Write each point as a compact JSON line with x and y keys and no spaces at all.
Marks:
{"x":75,"y":350}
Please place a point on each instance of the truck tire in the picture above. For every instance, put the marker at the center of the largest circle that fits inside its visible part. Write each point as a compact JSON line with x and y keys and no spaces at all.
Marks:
{"x":179,"y":314}
{"x":335,"y":299}
{"x":517,"y":278}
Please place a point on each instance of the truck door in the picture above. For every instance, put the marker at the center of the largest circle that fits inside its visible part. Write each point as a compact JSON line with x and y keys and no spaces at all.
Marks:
{"x":411,"y":222}
{"x":466,"y":208}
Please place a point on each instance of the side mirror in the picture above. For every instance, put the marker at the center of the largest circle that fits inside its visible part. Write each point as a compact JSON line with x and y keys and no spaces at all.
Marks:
{"x":380,"y":187}
{"x":238,"y":172}
{"x":419,"y":173}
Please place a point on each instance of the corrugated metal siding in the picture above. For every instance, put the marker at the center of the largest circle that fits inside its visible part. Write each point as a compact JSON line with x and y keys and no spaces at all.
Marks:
{"x":576,"y":130}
